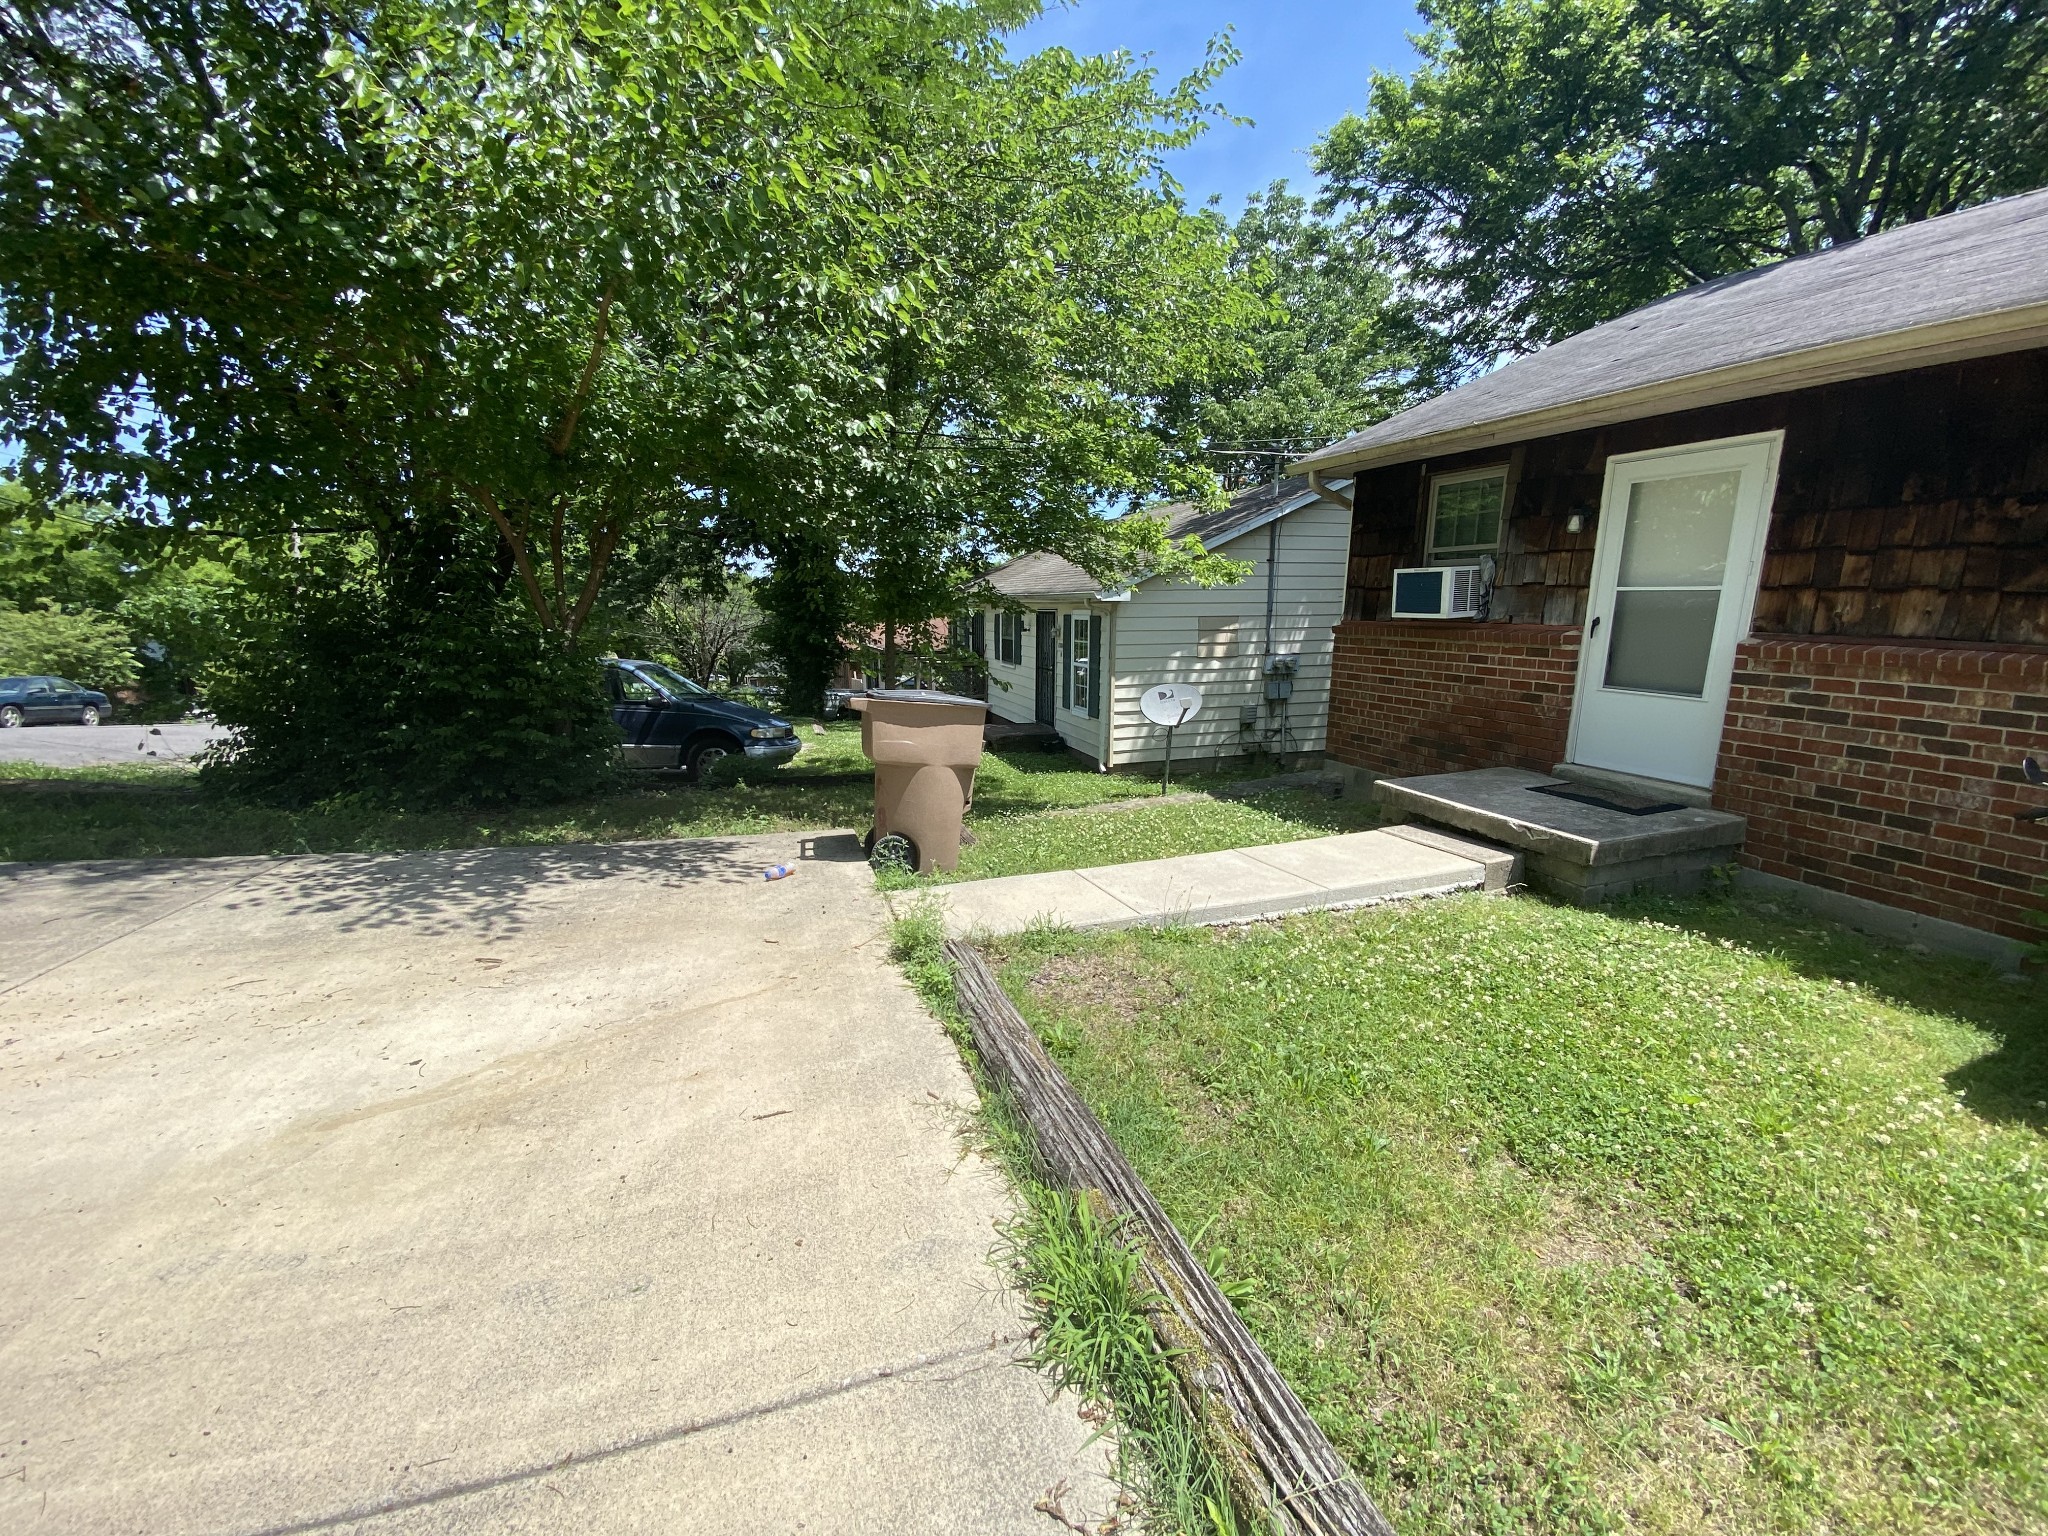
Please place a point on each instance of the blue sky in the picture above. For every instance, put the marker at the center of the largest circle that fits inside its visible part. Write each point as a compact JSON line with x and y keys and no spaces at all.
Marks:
{"x":1305,"y":65}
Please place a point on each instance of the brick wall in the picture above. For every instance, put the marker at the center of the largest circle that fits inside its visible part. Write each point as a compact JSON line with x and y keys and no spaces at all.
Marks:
{"x":1433,"y":697}
{"x":1891,"y":771}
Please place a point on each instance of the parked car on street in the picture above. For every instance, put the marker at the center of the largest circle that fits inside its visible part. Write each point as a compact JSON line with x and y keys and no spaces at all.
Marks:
{"x":671,"y":722}
{"x":50,"y":701}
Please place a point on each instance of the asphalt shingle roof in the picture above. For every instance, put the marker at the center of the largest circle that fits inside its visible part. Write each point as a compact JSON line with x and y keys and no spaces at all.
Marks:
{"x":1047,"y":575}
{"x":1982,"y":263}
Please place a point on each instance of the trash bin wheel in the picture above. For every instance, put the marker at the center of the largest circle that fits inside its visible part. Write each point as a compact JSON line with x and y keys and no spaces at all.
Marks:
{"x":893,"y":850}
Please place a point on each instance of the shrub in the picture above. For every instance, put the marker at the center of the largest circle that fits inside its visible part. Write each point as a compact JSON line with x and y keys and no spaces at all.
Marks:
{"x":336,"y":688}
{"x":85,"y":648}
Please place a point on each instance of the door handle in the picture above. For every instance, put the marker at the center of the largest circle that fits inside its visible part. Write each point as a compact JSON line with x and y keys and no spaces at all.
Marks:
{"x":1592,"y":629}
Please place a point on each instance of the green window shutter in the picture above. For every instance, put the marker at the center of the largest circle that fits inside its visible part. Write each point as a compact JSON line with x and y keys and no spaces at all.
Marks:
{"x":1064,"y":662}
{"x":1094,"y":666}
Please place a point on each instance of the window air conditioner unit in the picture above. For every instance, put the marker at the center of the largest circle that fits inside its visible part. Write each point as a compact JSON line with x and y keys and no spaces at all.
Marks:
{"x":1437,"y":592}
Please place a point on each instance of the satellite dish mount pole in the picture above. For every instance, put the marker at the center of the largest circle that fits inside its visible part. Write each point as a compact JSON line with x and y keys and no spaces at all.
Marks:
{"x":1166,"y":773}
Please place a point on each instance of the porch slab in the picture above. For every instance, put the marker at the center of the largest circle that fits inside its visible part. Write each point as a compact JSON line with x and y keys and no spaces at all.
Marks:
{"x":1575,"y":849}
{"x":1240,"y":885}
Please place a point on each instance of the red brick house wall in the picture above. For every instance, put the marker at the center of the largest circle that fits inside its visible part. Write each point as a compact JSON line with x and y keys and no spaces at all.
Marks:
{"x":1898,"y":665}
{"x":1889,"y":771}
{"x":1430,"y":698}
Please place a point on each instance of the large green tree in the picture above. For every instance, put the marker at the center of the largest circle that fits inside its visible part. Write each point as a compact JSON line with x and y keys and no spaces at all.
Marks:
{"x":1553,"y":163}
{"x":536,"y":264}
{"x":1329,"y":351}
{"x":595,"y":279}
{"x":1064,"y":314}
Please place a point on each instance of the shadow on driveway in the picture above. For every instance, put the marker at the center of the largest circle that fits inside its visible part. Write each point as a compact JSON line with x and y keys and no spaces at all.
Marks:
{"x":486,"y":891}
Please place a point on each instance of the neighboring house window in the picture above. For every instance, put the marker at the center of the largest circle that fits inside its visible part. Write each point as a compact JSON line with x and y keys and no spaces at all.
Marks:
{"x":1465,"y":513}
{"x":1081,"y":684}
{"x":1009,"y":638}
{"x":1216,"y":639}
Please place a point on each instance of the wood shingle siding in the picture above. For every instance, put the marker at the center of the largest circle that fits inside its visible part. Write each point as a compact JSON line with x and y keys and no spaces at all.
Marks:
{"x":1912,"y":505}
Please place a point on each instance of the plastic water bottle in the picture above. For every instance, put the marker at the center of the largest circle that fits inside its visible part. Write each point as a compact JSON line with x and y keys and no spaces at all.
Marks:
{"x":777,"y":872}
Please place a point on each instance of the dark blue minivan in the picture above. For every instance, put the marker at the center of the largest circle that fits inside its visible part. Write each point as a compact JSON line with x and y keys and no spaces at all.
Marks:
{"x":50,"y":701}
{"x":671,"y":722}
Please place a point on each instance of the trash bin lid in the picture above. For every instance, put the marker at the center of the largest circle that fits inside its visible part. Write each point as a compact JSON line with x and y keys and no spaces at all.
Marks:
{"x":924,"y":696}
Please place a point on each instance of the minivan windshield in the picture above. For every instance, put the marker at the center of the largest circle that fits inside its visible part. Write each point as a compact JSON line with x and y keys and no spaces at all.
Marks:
{"x":671,"y":682}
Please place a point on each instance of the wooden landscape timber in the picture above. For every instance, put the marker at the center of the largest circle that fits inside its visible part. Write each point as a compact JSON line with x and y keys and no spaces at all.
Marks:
{"x":1282,"y":1469}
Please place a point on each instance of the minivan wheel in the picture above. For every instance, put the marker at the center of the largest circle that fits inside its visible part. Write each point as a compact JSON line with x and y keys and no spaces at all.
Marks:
{"x":11,"y":717}
{"x":704,"y":757}
{"x":90,"y":715}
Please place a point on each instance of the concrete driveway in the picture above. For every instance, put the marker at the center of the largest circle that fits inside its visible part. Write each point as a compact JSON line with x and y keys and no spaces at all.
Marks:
{"x":588,"y":1190}
{"x":79,"y":746}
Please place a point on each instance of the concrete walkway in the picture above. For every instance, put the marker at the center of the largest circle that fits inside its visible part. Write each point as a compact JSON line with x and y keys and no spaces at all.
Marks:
{"x":1356,"y":869}
{"x":566,"y":1190}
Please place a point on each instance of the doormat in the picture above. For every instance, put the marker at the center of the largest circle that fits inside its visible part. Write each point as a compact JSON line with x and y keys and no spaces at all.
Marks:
{"x":1604,"y":802}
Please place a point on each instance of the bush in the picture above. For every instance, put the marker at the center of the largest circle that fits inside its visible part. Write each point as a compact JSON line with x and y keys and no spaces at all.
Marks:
{"x":84,"y":648}
{"x":337,"y":689}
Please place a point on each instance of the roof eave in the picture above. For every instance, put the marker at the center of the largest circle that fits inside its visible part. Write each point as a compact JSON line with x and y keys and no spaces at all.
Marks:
{"x":1271,"y":514}
{"x":2009,"y":330}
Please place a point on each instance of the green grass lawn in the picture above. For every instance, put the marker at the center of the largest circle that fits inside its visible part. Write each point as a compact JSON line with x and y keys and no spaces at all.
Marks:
{"x":1686,"y":1217}
{"x":1021,"y":843}
{"x":160,"y":811}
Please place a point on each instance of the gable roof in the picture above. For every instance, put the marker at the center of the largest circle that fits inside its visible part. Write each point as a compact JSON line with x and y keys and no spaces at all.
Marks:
{"x":1247,"y":510}
{"x":1042,"y":575}
{"x":1967,"y":284}
{"x":1048,"y":575}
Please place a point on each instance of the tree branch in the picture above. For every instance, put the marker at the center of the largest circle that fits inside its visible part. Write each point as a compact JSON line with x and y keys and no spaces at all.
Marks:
{"x":520,"y":556}
{"x":565,"y":434}
{"x":602,"y":543}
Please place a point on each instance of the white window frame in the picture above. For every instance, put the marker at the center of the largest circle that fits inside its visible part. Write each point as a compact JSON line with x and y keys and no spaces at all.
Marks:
{"x":1078,"y":660}
{"x":1460,"y":554}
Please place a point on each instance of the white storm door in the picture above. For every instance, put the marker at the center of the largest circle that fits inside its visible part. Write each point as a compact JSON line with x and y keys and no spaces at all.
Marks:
{"x":1674,"y":579}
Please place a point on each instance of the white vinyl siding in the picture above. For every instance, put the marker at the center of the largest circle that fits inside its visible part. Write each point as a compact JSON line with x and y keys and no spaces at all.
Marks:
{"x":1172,"y":633}
{"x":1012,"y":684}
{"x":1013,"y":687}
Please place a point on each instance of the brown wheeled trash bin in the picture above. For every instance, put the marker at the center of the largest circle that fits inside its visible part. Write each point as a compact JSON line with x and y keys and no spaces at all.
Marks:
{"x":925,"y":747}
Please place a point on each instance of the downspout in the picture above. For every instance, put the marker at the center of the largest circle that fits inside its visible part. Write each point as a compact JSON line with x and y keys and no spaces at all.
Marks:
{"x":1107,"y":757}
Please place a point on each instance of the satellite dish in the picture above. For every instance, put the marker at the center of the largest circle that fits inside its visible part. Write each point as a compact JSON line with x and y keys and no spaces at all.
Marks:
{"x":1171,"y":704}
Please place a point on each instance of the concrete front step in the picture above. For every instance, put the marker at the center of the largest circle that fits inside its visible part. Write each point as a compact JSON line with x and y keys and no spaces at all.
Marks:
{"x":1240,"y":885}
{"x":1581,"y":851}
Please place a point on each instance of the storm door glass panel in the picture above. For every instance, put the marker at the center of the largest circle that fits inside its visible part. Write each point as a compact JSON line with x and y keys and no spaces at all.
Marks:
{"x":1667,"y":595}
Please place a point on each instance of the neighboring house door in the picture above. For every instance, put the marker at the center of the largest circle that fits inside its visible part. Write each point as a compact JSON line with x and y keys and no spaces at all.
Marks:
{"x":1674,"y":580}
{"x":1046,"y":625}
